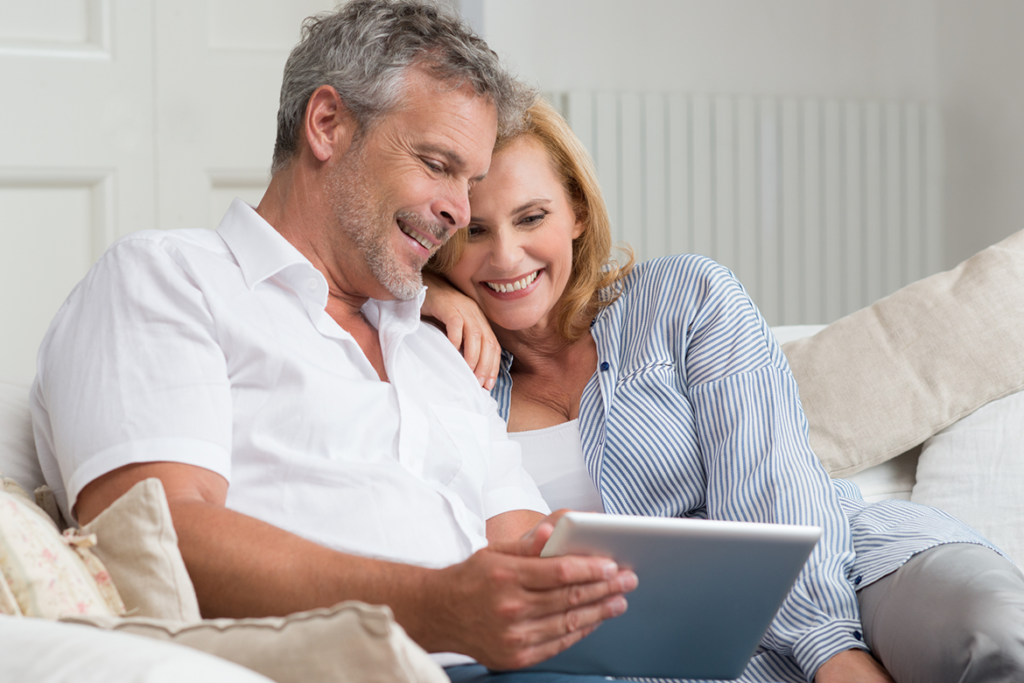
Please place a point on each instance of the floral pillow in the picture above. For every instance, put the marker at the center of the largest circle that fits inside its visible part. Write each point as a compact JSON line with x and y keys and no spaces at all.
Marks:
{"x":45,"y":573}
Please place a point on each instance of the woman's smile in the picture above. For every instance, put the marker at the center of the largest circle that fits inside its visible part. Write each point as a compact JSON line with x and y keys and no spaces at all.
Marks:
{"x":522,"y":286}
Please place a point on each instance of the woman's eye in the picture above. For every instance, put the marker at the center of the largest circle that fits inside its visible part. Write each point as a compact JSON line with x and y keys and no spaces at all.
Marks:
{"x":474,"y":230}
{"x":533,"y":218}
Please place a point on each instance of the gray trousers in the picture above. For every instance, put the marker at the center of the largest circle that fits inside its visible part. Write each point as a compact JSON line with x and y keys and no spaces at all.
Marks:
{"x":952,"y":613}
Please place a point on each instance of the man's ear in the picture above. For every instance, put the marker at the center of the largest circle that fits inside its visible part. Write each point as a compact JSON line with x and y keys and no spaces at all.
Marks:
{"x":329,"y":127}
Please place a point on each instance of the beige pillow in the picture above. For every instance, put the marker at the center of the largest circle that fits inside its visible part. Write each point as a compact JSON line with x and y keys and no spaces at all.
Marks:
{"x":48,"y":574}
{"x":351,"y":642}
{"x":882,"y":380}
{"x":137,"y":542}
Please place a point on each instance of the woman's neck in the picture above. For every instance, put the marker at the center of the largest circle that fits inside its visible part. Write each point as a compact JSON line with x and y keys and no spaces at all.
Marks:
{"x":535,"y":349}
{"x":549,"y":375}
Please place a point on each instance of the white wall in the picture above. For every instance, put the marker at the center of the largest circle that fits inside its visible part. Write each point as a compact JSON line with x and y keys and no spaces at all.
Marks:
{"x":844,"y":48}
{"x":981,"y":61}
{"x":967,"y":55}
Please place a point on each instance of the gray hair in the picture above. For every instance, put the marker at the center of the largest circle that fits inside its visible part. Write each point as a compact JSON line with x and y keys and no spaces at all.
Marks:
{"x":364,"y":49}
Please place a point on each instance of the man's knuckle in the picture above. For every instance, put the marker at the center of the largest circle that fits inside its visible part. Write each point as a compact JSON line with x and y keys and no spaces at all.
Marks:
{"x":510,"y":610}
{"x":573,"y":621}
{"x":575,"y":595}
{"x":563,"y":572}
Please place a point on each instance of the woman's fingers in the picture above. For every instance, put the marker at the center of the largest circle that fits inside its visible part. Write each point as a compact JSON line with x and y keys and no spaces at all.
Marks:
{"x":490,"y":359}
{"x":471,"y":348}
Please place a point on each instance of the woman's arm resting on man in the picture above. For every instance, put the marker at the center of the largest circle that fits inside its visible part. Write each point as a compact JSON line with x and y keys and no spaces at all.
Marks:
{"x":502,"y":607}
{"x":466,"y":326}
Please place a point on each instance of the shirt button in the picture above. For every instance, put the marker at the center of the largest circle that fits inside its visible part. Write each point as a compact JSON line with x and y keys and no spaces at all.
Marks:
{"x":857,"y":635}
{"x":856,"y":582}
{"x":604,"y":366}
{"x":311,"y":285}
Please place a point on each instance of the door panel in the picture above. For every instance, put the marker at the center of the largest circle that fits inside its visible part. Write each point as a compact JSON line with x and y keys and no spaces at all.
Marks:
{"x":123,"y":115}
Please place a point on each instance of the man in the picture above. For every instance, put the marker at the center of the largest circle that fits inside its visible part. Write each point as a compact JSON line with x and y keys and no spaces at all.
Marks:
{"x":315,"y":441}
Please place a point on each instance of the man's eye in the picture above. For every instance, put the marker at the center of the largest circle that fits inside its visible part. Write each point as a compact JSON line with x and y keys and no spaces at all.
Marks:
{"x":434,"y":166}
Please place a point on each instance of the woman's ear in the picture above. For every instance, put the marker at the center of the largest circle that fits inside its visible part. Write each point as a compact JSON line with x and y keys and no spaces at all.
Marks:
{"x":579,"y":208}
{"x":328,"y":127}
{"x":577,"y":229}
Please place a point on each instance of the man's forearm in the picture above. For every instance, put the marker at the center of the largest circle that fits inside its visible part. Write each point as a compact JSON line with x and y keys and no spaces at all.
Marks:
{"x":243,"y":567}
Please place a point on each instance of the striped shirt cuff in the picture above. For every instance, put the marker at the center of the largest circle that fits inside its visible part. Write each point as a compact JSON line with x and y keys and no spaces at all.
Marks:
{"x":820,"y":645}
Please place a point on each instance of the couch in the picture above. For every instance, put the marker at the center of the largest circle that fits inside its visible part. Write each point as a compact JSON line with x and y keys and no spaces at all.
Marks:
{"x":916,"y":397}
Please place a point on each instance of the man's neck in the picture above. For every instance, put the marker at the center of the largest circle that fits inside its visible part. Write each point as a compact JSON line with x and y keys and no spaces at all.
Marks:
{"x":300,"y":214}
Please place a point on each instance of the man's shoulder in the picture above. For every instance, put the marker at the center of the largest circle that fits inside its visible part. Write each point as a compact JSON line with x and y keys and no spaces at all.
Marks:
{"x":168,"y":241}
{"x":141,"y":255}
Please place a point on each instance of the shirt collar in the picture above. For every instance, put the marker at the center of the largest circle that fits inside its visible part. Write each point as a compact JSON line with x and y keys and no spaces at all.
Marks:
{"x":263,"y":253}
{"x":260,"y":250}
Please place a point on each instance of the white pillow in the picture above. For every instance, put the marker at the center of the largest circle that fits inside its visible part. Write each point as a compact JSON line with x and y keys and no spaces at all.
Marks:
{"x":18,"y":459}
{"x":888,"y":480}
{"x":44,"y":651}
{"x":974,"y":470}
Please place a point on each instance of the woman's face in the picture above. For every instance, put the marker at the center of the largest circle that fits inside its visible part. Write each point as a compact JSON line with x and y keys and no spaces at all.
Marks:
{"x":518,"y":257}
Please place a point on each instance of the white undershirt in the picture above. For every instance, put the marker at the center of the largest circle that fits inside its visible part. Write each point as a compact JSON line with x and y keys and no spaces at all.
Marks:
{"x":554,"y":458}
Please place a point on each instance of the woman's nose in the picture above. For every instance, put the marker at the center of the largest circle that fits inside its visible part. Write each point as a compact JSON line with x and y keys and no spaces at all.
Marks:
{"x":506,"y":253}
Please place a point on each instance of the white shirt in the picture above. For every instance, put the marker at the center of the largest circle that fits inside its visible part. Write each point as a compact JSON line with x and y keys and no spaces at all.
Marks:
{"x":214,"y":349}
{"x":554,"y":458}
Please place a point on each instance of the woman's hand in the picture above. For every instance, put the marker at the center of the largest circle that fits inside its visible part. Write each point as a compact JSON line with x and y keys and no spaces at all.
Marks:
{"x":852,"y":666}
{"x":467,"y":328}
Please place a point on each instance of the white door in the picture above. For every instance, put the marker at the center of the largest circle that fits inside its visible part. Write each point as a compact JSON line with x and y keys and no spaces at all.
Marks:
{"x":122,"y":115}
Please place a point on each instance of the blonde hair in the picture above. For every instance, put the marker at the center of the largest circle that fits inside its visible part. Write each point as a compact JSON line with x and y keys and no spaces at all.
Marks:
{"x":592,"y":266}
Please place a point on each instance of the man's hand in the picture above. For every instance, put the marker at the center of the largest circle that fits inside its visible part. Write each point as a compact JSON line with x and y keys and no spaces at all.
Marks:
{"x":466,"y":326}
{"x":511,"y":609}
{"x":852,"y":666}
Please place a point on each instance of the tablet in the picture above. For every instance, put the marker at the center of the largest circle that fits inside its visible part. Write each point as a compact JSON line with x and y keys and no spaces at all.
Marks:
{"x":708,"y":591}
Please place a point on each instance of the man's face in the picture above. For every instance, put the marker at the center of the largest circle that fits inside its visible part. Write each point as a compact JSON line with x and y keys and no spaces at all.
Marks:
{"x":403,"y":188}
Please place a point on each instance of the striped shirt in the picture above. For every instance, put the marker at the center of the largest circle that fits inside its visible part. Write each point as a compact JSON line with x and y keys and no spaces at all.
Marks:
{"x":693,"y":412}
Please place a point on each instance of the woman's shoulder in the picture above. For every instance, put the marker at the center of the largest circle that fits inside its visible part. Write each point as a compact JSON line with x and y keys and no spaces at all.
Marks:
{"x":679,"y":272}
{"x":694,"y":265}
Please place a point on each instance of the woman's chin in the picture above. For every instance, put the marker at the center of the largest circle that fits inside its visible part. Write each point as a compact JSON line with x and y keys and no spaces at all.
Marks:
{"x":518,"y":323}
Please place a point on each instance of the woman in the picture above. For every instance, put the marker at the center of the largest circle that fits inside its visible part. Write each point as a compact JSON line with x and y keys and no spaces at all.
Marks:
{"x":658,"y":389}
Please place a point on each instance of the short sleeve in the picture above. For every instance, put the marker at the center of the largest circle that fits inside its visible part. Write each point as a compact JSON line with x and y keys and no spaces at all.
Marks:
{"x":131,"y":371}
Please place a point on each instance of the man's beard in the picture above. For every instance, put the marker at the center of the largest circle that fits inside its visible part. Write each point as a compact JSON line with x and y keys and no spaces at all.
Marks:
{"x":369,"y":225}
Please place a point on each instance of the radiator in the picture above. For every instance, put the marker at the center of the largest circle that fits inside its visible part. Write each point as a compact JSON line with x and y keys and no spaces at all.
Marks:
{"x":819,"y":207}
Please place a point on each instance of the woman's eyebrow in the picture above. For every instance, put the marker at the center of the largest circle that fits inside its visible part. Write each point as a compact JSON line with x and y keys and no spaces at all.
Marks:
{"x":530,"y":204}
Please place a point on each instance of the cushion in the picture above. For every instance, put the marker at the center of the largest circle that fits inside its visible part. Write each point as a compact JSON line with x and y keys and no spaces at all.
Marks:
{"x":351,"y":642}
{"x":44,"y":651}
{"x":882,"y":380}
{"x":892,"y":479}
{"x":137,"y":543}
{"x":18,"y":459}
{"x":974,"y":470}
{"x":46,"y":573}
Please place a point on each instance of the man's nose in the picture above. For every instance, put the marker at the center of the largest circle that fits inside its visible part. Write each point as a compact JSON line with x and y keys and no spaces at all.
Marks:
{"x":452,"y":209}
